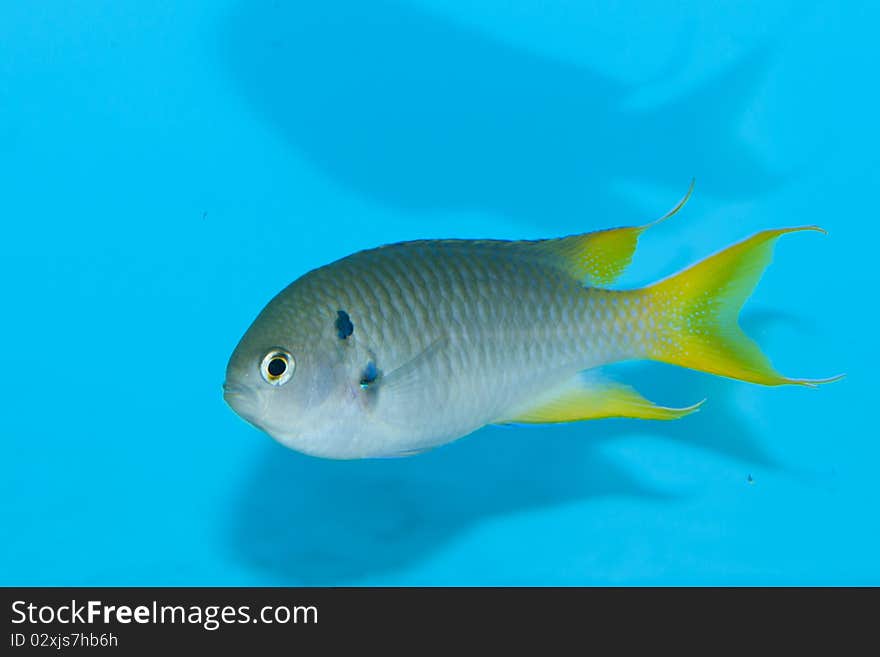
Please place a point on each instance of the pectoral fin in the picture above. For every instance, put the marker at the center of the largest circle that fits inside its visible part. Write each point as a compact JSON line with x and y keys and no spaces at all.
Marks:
{"x":408,"y":385}
{"x":413,"y":375}
{"x":591,"y":399}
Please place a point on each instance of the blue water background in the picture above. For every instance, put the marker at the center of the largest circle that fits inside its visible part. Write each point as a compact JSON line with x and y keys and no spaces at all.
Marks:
{"x":167,"y":167}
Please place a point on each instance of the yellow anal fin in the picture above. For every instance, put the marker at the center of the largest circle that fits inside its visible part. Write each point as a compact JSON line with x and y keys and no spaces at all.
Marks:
{"x":598,"y":258}
{"x":592,"y":400}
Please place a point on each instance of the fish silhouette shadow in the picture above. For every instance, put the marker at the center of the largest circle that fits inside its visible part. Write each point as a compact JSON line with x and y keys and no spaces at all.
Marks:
{"x":313,"y":522}
{"x":417,"y":112}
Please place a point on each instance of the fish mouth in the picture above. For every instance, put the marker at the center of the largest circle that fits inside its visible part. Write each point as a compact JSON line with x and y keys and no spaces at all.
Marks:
{"x":233,"y":389}
{"x":244,"y":401}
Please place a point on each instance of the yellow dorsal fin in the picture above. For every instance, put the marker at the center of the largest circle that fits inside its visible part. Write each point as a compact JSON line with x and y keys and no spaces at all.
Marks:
{"x":598,"y":258}
{"x":592,"y":399}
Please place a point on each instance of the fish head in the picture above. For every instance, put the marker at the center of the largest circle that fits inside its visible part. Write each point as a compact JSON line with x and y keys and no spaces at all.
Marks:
{"x":288,"y":377}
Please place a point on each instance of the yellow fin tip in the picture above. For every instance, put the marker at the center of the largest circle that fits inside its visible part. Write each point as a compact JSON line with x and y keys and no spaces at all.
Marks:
{"x":673,"y":211}
{"x":815,"y":383}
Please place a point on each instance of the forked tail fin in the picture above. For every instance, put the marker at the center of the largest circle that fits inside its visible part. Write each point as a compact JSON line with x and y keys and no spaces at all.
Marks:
{"x":695,"y":313}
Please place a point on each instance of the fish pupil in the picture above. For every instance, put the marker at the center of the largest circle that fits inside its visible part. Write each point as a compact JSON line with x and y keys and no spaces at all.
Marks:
{"x":277,"y":366}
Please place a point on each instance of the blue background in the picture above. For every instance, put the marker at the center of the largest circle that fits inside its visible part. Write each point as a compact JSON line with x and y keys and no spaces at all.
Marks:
{"x":169,"y":166}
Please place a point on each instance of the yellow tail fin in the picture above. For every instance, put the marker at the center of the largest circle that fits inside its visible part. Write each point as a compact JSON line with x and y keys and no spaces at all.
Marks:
{"x":696,"y":313}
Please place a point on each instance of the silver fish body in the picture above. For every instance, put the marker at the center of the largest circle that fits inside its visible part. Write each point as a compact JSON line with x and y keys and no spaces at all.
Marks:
{"x":460,"y":333}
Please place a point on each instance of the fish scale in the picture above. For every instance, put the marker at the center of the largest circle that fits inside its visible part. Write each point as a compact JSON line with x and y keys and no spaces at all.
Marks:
{"x":426,"y":293}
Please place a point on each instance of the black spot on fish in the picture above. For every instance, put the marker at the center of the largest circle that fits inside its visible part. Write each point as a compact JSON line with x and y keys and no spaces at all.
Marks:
{"x":369,"y":376}
{"x":344,"y":327}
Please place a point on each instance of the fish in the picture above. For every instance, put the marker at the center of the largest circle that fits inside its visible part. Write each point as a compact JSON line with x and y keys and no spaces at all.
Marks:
{"x":400,"y":349}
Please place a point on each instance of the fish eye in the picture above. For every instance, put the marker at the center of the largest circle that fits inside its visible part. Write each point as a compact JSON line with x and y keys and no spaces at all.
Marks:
{"x":277,"y":367}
